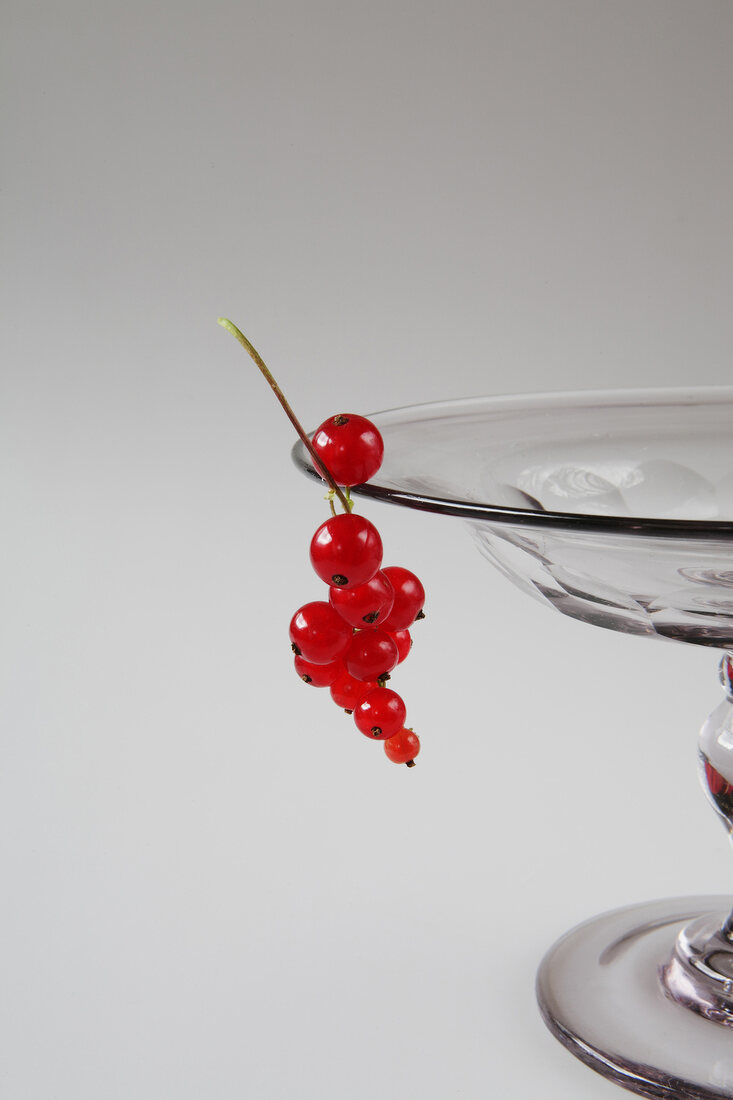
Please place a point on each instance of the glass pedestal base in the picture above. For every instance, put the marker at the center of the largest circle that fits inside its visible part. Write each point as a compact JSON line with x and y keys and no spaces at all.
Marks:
{"x":601,"y":994}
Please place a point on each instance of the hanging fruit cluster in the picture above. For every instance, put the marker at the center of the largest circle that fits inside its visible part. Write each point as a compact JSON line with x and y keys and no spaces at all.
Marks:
{"x":352,"y":641}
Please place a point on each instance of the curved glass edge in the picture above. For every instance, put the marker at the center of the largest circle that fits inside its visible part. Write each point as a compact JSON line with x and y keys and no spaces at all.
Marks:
{"x":569,"y":521}
{"x":670,"y":528}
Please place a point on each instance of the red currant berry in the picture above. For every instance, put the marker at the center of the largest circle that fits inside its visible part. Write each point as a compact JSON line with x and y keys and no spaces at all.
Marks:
{"x":409,"y":597}
{"x":370,"y":655}
{"x":403,"y":642}
{"x":380,"y":714}
{"x":403,"y":747}
{"x":347,"y":692}
{"x":346,"y":550}
{"x":318,"y":633}
{"x":351,"y":448}
{"x":365,"y":605}
{"x":319,"y":676}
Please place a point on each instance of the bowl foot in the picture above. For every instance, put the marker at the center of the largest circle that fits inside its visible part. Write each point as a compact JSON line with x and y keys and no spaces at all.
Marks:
{"x":601,"y":990}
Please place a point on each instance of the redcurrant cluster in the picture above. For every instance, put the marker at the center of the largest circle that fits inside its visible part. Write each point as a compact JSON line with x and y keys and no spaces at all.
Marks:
{"x":351,"y":642}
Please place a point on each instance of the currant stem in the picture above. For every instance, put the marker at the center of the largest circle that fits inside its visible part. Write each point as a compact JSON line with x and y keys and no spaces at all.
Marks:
{"x":255,"y":355}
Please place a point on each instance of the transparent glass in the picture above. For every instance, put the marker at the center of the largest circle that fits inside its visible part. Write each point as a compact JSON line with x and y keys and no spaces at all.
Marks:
{"x":616,"y":508}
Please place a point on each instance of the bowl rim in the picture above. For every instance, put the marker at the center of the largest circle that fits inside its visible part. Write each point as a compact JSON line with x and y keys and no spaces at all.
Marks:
{"x":530,"y":518}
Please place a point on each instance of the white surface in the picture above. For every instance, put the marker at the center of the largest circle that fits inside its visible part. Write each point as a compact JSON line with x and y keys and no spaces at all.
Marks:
{"x":212,"y":885}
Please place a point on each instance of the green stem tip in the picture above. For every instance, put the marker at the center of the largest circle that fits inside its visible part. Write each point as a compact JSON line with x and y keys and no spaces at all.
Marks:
{"x":253,"y":353}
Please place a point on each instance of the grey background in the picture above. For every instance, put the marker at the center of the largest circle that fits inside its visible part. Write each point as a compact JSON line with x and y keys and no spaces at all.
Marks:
{"x":211,"y":885}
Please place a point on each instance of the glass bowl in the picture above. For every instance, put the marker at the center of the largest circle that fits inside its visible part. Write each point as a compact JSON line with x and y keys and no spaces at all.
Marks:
{"x":615,"y":508}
